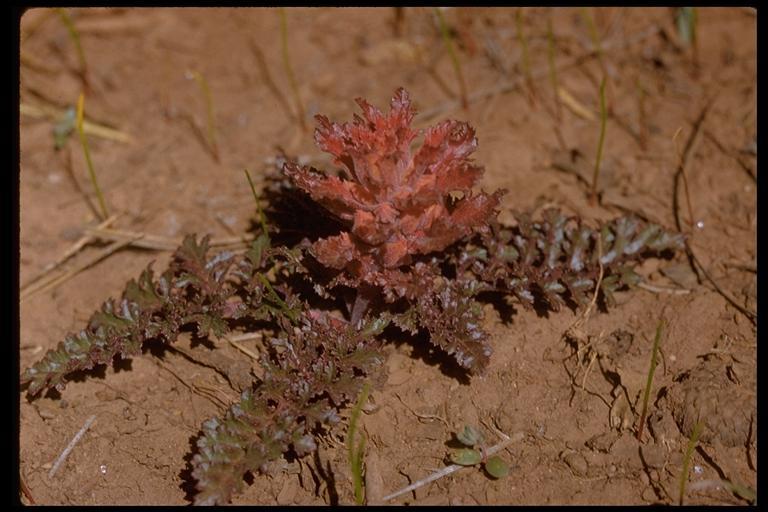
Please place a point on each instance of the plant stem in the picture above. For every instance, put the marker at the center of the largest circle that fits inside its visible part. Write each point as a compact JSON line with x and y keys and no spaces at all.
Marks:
{"x":642,"y":121}
{"x":587,"y":17}
{"x":75,"y":36}
{"x":649,"y":383}
{"x":262,"y":218}
{"x":84,"y":143}
{"x":454,"y":57}
{"x":553,"y":69}
{"x":397,"y":23}
{"x":526,"y":62}
{"x":289,"y":69}
{"x":203,"y":83}
{"x":601,"y":140}
{"x":356,"y":451}
{"x":687,"y":459}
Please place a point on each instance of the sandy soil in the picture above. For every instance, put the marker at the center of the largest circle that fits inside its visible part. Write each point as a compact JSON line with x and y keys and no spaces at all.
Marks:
{"x":577,"y":412}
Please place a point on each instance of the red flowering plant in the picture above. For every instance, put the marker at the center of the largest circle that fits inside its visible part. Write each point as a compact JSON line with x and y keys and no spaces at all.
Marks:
{"x":398,"y":204}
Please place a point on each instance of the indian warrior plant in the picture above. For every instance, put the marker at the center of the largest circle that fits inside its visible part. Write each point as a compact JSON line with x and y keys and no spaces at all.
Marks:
{"x":414,"y":248}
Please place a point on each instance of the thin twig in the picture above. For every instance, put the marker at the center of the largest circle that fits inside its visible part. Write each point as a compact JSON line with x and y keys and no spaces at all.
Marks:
{"x":161,"y":243}
{"x":213,"y":144}
{"x":89,"y":127}
{"x":25,"y":490}
{"x":242,"y":348}
{"x":751,"y":315}
{"x":33,"y":290}
{"x":423,"y":416}
{"x":289,"y":69}
{"x":454,"y":57}
{"x":695,"y":261}
{"x":264,"y":68}
{"x":70,"y":446}
{"x":518,"y":436}
{"x":663,"y":289}
{"x":73,"y":249}
{"x":247,"y":336}
{"x":215,"y":400}
{"x":585,"y":314}
{"x":87,"y":153}
{"x":601,"y":140}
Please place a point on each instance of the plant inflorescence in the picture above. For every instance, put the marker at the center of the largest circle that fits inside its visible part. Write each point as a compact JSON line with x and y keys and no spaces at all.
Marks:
{"x":410,"y":245}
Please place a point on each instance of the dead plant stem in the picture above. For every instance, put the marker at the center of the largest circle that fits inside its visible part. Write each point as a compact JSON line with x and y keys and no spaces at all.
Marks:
{"x":60,"y":460}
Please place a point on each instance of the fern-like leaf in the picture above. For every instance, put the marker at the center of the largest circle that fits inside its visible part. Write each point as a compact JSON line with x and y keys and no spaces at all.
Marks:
{"x":313,"y":371}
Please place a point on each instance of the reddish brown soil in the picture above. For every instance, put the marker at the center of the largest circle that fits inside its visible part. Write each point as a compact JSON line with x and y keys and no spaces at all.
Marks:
{"x":579,"y":442}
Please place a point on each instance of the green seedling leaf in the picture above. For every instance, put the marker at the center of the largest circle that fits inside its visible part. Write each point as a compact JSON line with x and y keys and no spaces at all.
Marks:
{"x":466,"y":457}
{"x":64,"y":128}
{"x":686,"y":24}
{"x":470,"y":436}
{"x":496,"y":467}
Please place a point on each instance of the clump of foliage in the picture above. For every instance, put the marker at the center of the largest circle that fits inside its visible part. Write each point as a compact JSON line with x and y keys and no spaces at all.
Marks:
{"x":414,"y":247}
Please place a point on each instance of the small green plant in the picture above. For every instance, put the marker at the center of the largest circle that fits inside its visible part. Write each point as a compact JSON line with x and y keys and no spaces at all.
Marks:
{"x":289,"y":69}
{"x":600,"y":142}
{"x":64,"y":127}
{"x":687,"y":458}
{"x":594,"y":35}
{"x":357,"y":451}
{"x":642,"y":94}
{"x":211,"y":119}
{"x":649,"y":383}
{"x":91,"y":171}
{"x":552,"y":69}
{"x":687,"y":21}
{"x":75,"y":36}
{"x":521,"y":37}
{"x":259,"y":210}
{"x":454,"y":57}
{"x":474,"y":453}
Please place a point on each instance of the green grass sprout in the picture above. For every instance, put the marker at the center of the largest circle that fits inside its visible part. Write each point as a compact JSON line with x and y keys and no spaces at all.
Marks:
{"x":553,"y":69}
{"x":649,"y":383}
{"x":289,"y":69}
{"x":447,"y":40}
{"x":211,"y":118}
{"x":63,"y":127}
{"x":594,"y":35}
{"x":86,"y":151}
{"x":357,"y":451}
{"x":475,"y":453}
{"x":687,"y":20}
{"x":600,"y":142}
{"x":526,"y":61}
{"x":641,"y":114}
{"x":75,"y":36}
{"x":687,"y":458}
{"x":262,"y":217}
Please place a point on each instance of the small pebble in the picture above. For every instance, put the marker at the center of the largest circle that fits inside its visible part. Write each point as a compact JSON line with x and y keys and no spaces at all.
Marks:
{"x":103,"y":469}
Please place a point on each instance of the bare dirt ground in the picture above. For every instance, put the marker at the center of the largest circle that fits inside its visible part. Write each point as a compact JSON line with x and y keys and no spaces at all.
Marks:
{"x":578,"y":413}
